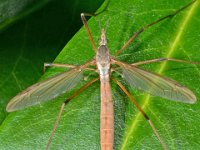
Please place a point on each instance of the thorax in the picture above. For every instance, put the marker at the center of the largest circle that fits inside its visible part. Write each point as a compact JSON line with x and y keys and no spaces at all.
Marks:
{"x":103,"y":61}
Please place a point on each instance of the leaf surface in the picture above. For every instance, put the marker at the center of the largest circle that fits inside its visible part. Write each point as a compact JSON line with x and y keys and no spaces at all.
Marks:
{"x":177,"y":123}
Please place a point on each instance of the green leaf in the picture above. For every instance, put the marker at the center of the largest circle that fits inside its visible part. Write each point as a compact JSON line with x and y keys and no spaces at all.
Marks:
{"x":177,"y":123}
{"x":32,"y":39}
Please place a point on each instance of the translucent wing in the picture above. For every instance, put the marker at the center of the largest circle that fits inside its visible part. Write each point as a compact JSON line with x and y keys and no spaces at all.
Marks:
{"x":156,"y":85}
{"x":46,"y":90}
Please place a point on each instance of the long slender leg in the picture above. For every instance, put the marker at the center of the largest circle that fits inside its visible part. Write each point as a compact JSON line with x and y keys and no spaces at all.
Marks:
{"x":62,"y":108}
{"x":83,"y":15}
{"x":164,"y":59}
{"x":62,"y":66}
{"x":149,"y":25}
{"x":88,"y":30}
{"x":143,"y":113}
{"x":56,"y":65}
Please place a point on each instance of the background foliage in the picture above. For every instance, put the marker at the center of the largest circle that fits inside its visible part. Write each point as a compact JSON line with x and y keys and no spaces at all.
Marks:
{"x":33,"y":37}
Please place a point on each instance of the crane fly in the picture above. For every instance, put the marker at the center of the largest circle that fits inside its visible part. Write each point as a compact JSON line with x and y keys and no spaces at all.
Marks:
{"x":104,"y":61}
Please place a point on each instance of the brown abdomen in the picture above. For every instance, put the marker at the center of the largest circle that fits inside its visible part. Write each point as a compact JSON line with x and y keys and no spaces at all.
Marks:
{"x":107,"y":117}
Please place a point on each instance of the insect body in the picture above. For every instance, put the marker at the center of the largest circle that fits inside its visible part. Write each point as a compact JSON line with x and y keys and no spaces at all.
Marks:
{"x":136,"y":77}
{"x":107,"y":115}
